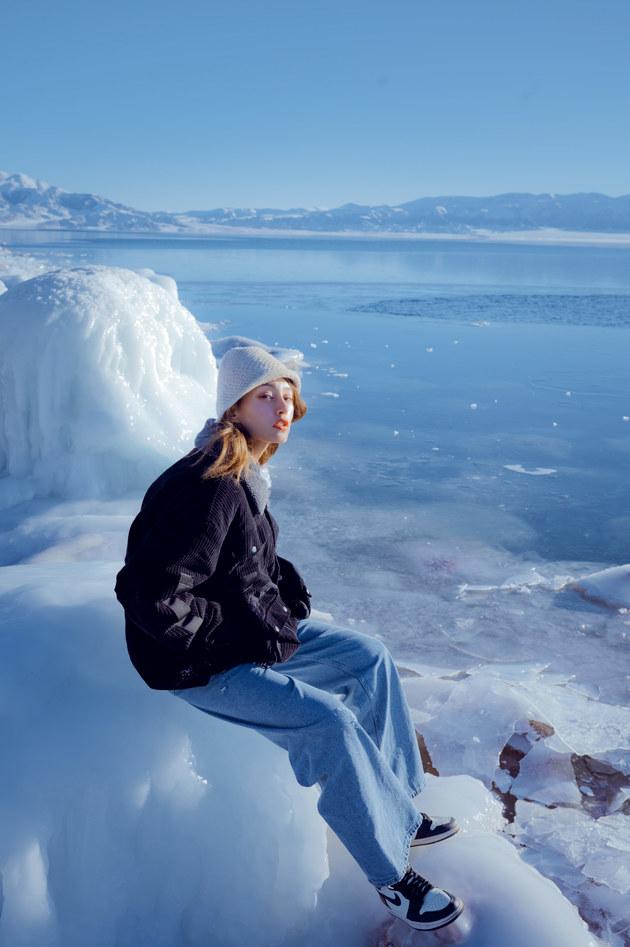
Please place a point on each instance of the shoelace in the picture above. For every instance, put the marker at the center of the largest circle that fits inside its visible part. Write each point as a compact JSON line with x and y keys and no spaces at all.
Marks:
{"x":413,"y":886}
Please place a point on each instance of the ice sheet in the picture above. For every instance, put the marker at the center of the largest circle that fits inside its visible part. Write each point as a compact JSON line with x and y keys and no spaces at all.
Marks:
{"x":114,"y":782}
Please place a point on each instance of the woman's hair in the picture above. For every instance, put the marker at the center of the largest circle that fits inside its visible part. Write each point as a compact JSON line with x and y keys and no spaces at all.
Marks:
{"x":229,"y":443}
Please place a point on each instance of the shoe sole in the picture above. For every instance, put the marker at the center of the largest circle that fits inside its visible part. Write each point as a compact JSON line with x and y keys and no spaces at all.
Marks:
{"x":417,"y":926}
{"x":416,"y":843}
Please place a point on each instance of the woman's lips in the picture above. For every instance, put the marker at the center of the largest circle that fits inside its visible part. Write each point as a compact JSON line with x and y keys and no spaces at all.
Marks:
{"x":281,"y":425}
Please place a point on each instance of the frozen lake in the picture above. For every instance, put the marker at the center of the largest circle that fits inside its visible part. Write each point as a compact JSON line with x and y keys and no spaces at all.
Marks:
{"x":468,"y":426}
{"x":463,"y":461}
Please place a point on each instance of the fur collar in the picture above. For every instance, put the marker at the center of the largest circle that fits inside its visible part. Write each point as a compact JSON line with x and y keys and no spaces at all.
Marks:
{"x":259,"y":482}
{"x":256,"y":477}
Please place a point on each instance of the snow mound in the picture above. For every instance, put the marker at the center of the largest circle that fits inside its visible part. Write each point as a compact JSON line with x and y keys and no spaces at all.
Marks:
{"x":609,"y":587}
{"x":129,"y":817}
{"x":166,"y":282}
{"x":291,"y":357}
{"x":499,"y":888}
{"x":104,"y":379}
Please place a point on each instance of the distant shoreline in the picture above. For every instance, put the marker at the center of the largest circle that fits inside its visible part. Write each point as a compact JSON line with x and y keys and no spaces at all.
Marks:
{"x":541,"y":237}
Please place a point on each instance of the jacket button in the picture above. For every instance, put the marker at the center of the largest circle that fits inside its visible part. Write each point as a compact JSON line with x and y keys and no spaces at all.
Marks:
{"x":284,"y":608}
{"x":254,"y":549}
{"x":275,"y":628}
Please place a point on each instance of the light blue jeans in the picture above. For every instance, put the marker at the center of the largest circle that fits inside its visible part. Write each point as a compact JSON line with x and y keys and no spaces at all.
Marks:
{"x":337,"y":706}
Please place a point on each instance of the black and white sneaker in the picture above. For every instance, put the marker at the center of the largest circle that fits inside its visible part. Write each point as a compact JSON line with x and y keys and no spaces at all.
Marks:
{"x":434,"y":830}
{"x":415,"y":901}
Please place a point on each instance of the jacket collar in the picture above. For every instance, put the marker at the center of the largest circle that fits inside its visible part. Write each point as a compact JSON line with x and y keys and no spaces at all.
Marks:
{"x":256,"y":478}
{"x":258,"y":482}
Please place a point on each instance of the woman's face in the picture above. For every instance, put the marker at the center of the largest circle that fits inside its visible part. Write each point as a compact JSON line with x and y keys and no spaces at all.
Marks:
{"x":266,"y":413}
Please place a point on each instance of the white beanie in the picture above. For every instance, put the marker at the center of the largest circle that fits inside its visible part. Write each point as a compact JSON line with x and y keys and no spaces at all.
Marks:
{"x":245,"y":367}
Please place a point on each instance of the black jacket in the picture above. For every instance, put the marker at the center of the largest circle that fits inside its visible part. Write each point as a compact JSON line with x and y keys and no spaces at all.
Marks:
{"x":202,"y":586}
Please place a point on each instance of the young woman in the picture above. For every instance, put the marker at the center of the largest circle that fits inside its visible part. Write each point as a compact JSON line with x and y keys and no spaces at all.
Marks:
{"x":214,"y":615}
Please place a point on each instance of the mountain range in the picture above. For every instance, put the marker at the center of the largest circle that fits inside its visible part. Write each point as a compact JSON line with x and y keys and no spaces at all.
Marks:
{"x":28,"y":203}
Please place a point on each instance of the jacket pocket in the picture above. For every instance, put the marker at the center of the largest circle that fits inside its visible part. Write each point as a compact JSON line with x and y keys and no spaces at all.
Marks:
{"x":249,"y":570}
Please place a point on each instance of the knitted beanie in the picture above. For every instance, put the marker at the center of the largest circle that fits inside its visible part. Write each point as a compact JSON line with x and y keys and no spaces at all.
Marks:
{"x":245,"y":367}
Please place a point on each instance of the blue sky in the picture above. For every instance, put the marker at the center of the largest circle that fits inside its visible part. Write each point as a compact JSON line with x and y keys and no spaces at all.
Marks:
{"x":207,"y":103}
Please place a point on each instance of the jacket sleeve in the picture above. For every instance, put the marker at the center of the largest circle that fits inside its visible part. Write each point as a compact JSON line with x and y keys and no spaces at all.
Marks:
{"x":293,"y":589}
{"x":177,"y":550}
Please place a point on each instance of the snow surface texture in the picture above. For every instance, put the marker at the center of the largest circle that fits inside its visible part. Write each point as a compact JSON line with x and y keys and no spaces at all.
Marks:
{"x":558,"y":760}
{"x":291,"y":357}
{"x":130,"y":818}
{"x":14,"y":268}
{"x":611,"y":587}
{"x":104,"y":377}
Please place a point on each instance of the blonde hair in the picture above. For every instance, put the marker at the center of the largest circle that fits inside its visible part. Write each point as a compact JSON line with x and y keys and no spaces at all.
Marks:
{"x":230,"y":441}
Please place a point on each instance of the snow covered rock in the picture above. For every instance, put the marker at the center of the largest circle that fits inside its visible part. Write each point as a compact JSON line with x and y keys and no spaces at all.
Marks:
{"x":104,"y":379}
{"x":587,"y":858}
{"x":609,"y":587}
{"x":562,"y":773}
{"x":129,"y":817}
{"x":166,"y":282}
{"x":291,"y":357}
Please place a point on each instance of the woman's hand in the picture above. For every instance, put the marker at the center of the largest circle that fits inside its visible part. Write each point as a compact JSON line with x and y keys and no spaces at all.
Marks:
{"x":293,"y":589}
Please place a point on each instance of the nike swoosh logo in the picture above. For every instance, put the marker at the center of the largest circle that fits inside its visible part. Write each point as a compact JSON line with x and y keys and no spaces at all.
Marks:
{"x":396,"y":902}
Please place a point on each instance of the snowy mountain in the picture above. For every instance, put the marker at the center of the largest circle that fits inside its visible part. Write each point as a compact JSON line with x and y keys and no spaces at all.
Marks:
{"x":460,"y":215}
{"x":25,"y":202}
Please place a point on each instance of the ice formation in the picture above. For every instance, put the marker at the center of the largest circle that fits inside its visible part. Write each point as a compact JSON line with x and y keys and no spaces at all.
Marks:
{"x":166,"y":282}
{"x":292,"y":357}
{"x":559,"y":762}
{"x":129,"y":818}
{"x":490,"y":875}
{"x":609,"y":587}
{"x":104,"y":377}
{"x":534,"y":472}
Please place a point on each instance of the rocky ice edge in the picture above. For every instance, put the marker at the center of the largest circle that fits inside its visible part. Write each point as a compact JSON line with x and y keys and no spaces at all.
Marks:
{"x":104,"y":378}
{"x":558,"y":761}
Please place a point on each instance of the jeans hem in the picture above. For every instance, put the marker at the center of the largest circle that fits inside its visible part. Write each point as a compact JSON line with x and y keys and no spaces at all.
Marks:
{"x":406,"y":848}
{"x":416,"y":788}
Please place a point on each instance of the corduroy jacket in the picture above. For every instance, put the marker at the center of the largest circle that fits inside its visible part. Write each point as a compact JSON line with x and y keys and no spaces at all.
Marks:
{"x":202,"y":587}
